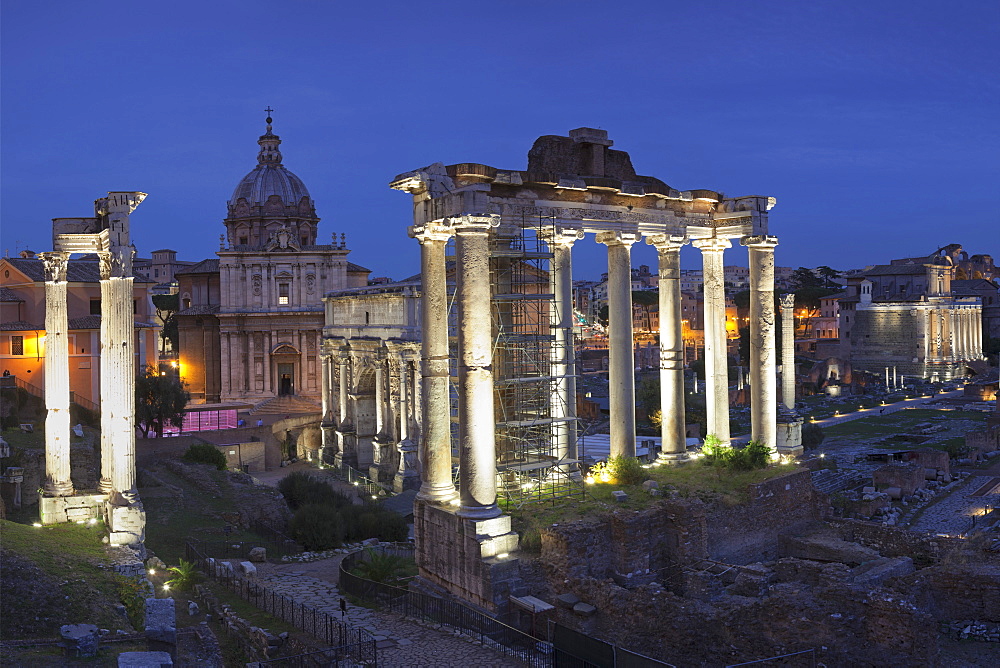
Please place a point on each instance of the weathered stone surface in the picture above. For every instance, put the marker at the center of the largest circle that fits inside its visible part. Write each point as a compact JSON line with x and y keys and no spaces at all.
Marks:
{"x":144,"y":660}
{"x":877,"y":571}
{"x":826,"y":548}
{"x":567,"y":600}
{"x":155,"y":563}
{"x":584,"y":609}
{"x":79,"y":640}
{"x":161,"y":620}
{"x":650,"y":485}
{"x":248,"y":569}
{"x":620,"y":496}
{"x":258,"y":555}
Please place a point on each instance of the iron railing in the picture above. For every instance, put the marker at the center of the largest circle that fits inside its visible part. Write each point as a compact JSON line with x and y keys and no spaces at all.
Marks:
{"x":11,"y":382}
{"x":488,"y":631}
{"x":347,"y":644}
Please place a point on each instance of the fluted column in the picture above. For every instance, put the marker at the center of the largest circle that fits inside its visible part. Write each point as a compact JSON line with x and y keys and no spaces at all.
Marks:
{"x":407,"y":476}
{"x":621,"y":365}
{"x":562,"y":407}
{"x":977,"y":333}
{"x":763,"y":358}
{"x":118,"y":369}
{"x":57,"y":418}
{"x":788,"y":351}
{"x":476,"y":420}
{"x":435,"y":441}
{"x":716,"y":366}
{"x":673,"y":431}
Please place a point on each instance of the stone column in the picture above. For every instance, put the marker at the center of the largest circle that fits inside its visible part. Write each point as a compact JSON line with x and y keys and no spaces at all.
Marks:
{"x":327,"y":425}
{"x":977,"y":333}
{"x":435,"y":439}
{"x":562,"y":408}
{"x":716,"y":366}
{"x":673,"y":432}
{"x":118,"y":370}
{"x":621,"y":364}
{"x":788,"y":351}
{"x":763,"y":362}
{"x":407,"y":476}
{"x":57,"y":419}
{"x":476,"y":420}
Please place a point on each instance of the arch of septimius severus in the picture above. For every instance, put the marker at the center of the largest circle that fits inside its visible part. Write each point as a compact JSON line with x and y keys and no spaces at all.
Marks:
{"x":575,"y":187}
{"x":107,"y":234}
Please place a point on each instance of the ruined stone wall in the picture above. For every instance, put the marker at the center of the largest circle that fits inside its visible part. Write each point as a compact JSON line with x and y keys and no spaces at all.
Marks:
{"x":955,"y":592}
{"x":881,"y":337}
{"x":985,"y":440}
{"x":897,"y":542}
{"x":749,"y":532}
{"x":628,"y":545}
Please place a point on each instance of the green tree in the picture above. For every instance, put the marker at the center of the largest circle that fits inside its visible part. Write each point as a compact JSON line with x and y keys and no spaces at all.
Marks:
{"x":646,"y":299}
{"x":647,"y":395}
{"x":828,"y":275}
{"x":166,"y":310}
{"x":382,"y":567}
{"x":805,"y":278}
{"x":159,"y":401}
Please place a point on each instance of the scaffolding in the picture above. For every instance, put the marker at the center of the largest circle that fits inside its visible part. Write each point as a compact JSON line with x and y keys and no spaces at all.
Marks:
{"x":527,"y":405}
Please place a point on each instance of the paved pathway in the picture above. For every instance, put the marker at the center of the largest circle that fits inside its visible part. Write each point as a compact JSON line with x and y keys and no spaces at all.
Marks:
{"x":402,"y":642}
{"x":953,"y":514}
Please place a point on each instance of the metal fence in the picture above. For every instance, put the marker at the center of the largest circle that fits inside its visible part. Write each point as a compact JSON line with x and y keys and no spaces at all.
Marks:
{"x":323,"y":658}
{"x":372,"y":489}
{"x":347,"y":644}
{"x":488,"y":631}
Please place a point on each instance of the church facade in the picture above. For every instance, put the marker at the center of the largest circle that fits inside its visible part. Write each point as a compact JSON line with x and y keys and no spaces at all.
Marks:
{"x":267,"y":308}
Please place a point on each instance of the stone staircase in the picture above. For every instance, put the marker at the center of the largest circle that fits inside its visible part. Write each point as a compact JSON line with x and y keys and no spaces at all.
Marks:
{"x":830,"y":482}
{"x":287,"y":405}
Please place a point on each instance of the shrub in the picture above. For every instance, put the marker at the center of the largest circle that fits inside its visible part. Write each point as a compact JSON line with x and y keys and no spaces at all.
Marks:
{"x":381,"y":567}
{"x":363,"y":522}
{"x":812,"y":435}
{"x":713,"y":452}
{"x":627,"y":470}
{"x":317,"y":527}
{"x":205,"y":453}
{"x":132,"y":593}
{"x":300,"y":489}
{"x":186,"y":576}
{"x":758,"y":454}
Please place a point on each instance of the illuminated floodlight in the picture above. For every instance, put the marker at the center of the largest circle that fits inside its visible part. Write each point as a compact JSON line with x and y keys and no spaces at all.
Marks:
{"x":355,"y":483}
{"x":166,"y":587}
{"x":374,"y":497}
{"x":822,"y":455}
{"x":93,"y":520}
{"x":503,"y":555}
{"x":589,"y":480}
{"x":152,"y":571}
{"x":37,"y":524}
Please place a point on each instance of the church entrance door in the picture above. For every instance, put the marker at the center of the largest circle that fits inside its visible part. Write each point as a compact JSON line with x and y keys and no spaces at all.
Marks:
{"x":286,"y":382}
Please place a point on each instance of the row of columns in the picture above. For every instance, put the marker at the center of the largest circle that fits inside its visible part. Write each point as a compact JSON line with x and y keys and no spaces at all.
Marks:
{"x":117,"y":377}
{"x":477,"y":446}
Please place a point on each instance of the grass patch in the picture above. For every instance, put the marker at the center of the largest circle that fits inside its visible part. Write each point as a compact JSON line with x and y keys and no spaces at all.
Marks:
{"x":248,"y":611}
{"x":708,"y":483}
{"x":72,"y":556}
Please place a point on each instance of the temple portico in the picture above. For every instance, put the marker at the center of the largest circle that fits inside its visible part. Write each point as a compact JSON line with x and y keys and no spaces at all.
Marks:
{"x":574,"y":187}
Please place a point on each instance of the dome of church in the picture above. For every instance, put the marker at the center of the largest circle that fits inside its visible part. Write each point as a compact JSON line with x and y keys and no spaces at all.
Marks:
{"x":269,"y":177}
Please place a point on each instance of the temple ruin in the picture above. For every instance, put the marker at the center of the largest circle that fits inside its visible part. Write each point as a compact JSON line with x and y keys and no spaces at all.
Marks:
{"x":117,"y":499}
{"x":573,"y":187}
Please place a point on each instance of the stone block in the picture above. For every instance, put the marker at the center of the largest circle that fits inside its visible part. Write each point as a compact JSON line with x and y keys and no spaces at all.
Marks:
{"x":620,"y":496}
{"x":79,"y":640}
{"x":650,"y":485}
{"x":77,"y":508}
{"x":155,"y":563}
{"x":567,"y":600}
{"x":877,"y":571}
{"x":248,"y":569}
{"x":495,"y":526}
{"x":161,"y":621}
{"x":584,"y":609}
{"x":821,"y":548}
{"x":126,"y":524}
{"x":145,"y":660}
{"x":258,"y":555}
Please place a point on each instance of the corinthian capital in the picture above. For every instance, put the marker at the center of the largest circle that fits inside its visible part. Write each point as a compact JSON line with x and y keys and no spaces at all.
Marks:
{"x":788,"y":302}
{"x":116,"y":263}
{"x":54,"y":265}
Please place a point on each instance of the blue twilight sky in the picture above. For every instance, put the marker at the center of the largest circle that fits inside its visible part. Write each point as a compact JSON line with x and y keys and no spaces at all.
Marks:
{"x":874,"y":123}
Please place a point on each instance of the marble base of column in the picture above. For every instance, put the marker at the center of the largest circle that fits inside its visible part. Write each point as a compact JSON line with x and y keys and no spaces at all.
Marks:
{"x":407,"y":476}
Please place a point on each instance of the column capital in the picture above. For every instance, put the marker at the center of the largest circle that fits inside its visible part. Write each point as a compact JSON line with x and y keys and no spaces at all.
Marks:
{"x":617,"y":238}
{"x":712,"y":244}
{"x":430,"y":232}
{"x":788,"y":301}
{"x":473,"y":223}
{"x":54,"y":264}
{"x":667,"y":242}
{"x":760,"y":241}
{"x":116,"y":263}
{"x":560,"y":236}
